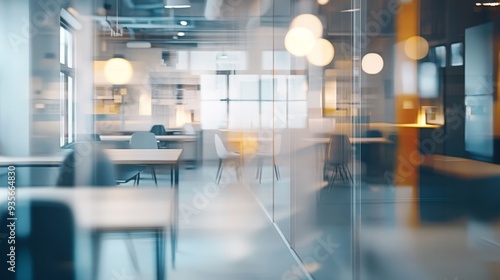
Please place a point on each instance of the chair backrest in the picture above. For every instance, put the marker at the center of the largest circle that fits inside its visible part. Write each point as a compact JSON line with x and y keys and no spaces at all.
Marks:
{"x":143,"y":140}
{"x":373,"y":133}
{"x":49,"y":241}
{"x":189,"y":129}
{"x":220,"y":149}
{"x":86,"y":165}
{"x":158,"y":129}
{"x":339,"y":149}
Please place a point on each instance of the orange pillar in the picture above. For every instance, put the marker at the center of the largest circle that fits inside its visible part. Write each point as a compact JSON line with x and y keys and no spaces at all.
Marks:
{"x":407,"y":106}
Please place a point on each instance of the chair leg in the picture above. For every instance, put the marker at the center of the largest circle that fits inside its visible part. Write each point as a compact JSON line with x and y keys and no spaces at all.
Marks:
{"x":343,"y":175}
{"x":96,"y":246}
{"x":131,"y":251}
{"x":221,"y":170}
{"x":277,"y":172}
{"x":171,"y":176}
{"x":218,"y":170}
{"x":258,"y":170}
{"x":334,"y":176}
{"x":238,"y":170}
{"x":261,"y":166}
{"x":135,"y":180}
{"x":160,"y":255}
{"x":153,"y":172}
{"x":329,"y":186}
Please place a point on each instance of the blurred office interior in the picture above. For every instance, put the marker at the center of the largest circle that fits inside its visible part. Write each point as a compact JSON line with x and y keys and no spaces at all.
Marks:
{"x":259,"y":139}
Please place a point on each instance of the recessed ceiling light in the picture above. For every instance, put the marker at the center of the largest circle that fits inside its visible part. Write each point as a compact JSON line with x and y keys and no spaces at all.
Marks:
{"x":138,"y":45}
{"x":350,"y":10}
{"x":181,"y":34}
{"x":183,"y":22}
{"x":177,"y":4}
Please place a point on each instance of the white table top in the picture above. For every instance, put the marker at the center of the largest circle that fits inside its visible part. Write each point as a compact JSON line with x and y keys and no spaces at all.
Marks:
{"x":125,"y":138}
{"x":117,"y":156}
{"x":353,"y":140}
{"x":106,"y":208}
{"x":144,"y":156}
{"x":461,"y":167}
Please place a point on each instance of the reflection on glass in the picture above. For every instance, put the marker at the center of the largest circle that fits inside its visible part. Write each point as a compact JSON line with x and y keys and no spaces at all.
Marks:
{"x":62,"y":45}
{"x":243,"y":114}
{"x":440,"y":52}
{"x":244,"y":87}
{"x":457,"y":58}
{"x":428,"y":80}
{"x":213,"y":114}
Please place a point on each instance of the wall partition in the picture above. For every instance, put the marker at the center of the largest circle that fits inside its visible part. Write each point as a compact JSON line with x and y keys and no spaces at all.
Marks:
{"x":366,"y":130}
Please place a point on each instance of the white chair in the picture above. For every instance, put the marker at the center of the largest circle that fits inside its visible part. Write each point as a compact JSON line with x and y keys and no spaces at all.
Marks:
{"x":189,"y":129}
{"x":225,"y":156}
{"x":268,"y":149}
{"x":144,"y":140}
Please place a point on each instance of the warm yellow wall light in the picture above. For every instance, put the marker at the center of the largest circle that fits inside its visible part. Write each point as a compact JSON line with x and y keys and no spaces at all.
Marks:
{"x":118,"y":71}
{"x":322,"y":53}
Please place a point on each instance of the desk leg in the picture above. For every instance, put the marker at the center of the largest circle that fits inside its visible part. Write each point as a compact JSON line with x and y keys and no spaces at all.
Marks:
{"x":96,"y":252}
{"x":176,"y":213}
{"x":160,"y":254}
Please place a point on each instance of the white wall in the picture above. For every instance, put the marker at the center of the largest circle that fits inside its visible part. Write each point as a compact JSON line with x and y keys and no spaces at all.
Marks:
{"x":14,"y":78}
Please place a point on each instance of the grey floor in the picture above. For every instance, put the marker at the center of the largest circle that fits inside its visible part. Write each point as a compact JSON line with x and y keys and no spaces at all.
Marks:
{"x":224,"y":234}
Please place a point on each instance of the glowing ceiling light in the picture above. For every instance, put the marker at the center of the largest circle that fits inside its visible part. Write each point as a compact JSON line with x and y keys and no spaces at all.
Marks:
{"x":322,"y":53}
{"x":177,"y":4}
{"x":310,"y":22}
{"x":372,"y":63}
{"x":118,"y":71}
{"x":299,"y":41}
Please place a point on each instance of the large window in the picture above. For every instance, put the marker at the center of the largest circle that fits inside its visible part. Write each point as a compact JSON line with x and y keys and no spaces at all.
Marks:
{"x":67,"y":88}
{"x":253,"y":101}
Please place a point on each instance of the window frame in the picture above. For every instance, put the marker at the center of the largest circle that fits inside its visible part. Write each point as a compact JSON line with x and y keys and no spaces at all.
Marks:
{"x":67,"y":85}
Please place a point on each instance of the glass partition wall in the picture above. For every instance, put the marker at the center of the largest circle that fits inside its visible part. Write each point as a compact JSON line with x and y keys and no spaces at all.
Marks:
{"x":277,"y":82}
{"x":366,"y":131}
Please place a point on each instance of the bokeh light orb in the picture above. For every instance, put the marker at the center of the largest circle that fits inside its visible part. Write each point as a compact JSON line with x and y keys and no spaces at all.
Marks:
{"x":322,"y":53}
{"x":416,"y":47}
{"x":310,"y":22}
{"x":299,"y":41}
{"x":372,"y":63}
{"x":118,"y":71}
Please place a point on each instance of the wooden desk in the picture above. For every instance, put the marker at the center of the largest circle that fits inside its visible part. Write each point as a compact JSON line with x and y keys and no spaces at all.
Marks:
{"x":117,"y":209}
{"x":461,"y":167}
{"x":372,"y":157}
{"x":118,"y":156}
{"x":108,"y":208}
{"x":169,"y":157}
{"x":353,"y":140}
{"x":452,"y":187}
